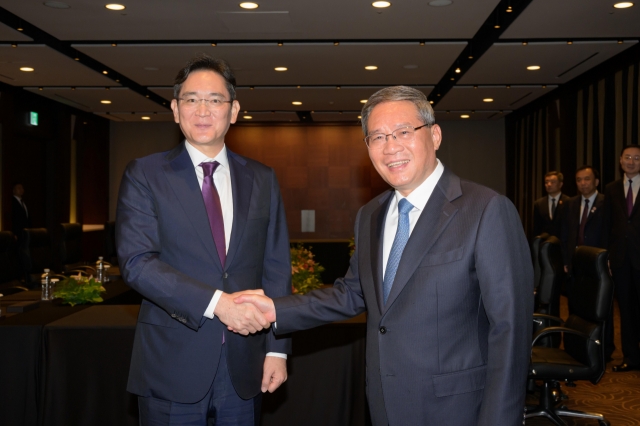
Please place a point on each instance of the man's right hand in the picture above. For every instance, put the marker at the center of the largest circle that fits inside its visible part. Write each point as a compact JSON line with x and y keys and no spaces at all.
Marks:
{"x":260,"y":301}
{"x":241,"y":318}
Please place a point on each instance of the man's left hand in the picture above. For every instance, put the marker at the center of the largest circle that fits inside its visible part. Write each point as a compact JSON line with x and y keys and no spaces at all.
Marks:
{"x":274,"y":373}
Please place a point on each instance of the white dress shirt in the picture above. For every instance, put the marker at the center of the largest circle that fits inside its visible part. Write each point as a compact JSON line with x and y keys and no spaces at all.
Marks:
{"x":636,"y":185}
{"x":222,"y":180}
{"x":418,"y":198}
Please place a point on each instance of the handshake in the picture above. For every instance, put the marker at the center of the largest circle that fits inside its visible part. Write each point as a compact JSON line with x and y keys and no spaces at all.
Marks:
{"x":246,"y":312}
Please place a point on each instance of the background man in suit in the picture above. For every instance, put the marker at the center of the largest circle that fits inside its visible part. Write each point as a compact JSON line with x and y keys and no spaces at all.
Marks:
{"x":186,"y":239}
{"x":19,"y":214}
{"x":449,"y":314}
{"x":622,"y":216}
{"x":548,"y":210}
{"x":583,"y":225}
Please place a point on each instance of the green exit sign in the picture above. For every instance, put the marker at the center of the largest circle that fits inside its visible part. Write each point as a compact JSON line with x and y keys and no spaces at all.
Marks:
{"x":33,"y":118}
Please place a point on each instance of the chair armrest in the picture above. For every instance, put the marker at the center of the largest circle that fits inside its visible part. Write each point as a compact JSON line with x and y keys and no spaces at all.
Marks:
{"x":537,"y":318}
{"x":550,"y":330}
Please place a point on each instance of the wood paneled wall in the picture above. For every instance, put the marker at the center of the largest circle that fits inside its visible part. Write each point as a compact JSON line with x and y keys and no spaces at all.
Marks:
{"x":321,"y":168}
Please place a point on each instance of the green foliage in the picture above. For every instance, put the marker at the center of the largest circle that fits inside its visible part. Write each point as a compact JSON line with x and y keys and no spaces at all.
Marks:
{"x":79,"y":290}
{"x":305,"y":272}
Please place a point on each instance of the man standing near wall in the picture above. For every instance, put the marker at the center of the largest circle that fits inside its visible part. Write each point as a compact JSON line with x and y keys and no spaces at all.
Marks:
{"x":548,"y":210}
{"x":622,"y":239}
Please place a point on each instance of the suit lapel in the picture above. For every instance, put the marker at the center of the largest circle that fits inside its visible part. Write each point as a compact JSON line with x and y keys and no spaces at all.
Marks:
{"x":597,"y":205}
{"x":432,"y":222}
{"x":182,"y":179}
{"x":377,"y":237}
{"x":242,"y":186}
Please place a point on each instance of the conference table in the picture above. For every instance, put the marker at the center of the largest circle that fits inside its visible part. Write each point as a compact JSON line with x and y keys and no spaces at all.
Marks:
{"x":62,"y":365}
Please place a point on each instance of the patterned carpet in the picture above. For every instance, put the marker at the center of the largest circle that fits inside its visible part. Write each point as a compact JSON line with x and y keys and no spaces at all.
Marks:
{"x":617,"y":396}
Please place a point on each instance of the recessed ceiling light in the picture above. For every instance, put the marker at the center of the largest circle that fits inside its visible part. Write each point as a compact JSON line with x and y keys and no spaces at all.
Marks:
{"x":247,"y":117}
{"x":105,"y":72}
{"x":533,"y":67}
{"x":144,"y":117}
{"x":296,"y":103}
{"x":363,"y":101}
{"x":431,"y":102}
{"x":56,"y":4}
{"x":105,"y":101}
{"x":26,"y":69}
{"x":20,"y":29}
{"x":487,"y":100}
{"x":280,"y":68}
{"x":249,"y":5}
{"x":457,"y":70}
{"x":114,"y":6}
{"x":464,"y":116}
{"x":623,"y":5}
{"x":438,"y":3}
{"x":381,"y":4}
{"x":14,"y":45}
{"x":371,"y":67}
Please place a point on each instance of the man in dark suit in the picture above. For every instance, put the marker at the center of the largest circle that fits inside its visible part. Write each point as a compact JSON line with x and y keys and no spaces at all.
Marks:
{"x":443,"y":269}
{"x":548,"y":210}
{"x":20,"y":218}
{"x":193,"y":225}
{"x":622,"y":239}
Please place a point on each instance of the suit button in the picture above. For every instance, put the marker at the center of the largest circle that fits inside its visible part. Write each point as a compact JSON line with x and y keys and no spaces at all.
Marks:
{"x":225,"y":275}
{"x":383,"y":330}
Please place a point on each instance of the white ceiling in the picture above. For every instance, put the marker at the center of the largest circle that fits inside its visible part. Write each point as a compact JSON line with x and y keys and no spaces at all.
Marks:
{"x":411,"y":42}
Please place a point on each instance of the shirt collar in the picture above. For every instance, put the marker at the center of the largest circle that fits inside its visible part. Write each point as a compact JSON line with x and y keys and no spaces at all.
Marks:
{"x":557,"y":197}
{"x":634,"y":179}
{"x":198,"y":157}
{"x":419,"y":196}
{"x":592,"y":199}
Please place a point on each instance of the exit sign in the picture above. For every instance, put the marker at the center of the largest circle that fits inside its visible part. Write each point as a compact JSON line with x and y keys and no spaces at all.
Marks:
{"x":33,"y":118}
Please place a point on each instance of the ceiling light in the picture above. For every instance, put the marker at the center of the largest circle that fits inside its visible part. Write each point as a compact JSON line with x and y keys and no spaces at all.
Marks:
{"x":620,"y":41}
{"x":77,"y":59}
{"x":296,"y":103}
{"x":249,"y":5}
{"x":40,"y":88}
{"x":524,"y":43}
{"x":508,"y":86}
{"x":247,"y":117}
{"x":114,"y":44}
{"x":431,"y":102}
{"x":623,"y":5}
{"x":487,"y":100}
{"x":26,"y":69}
{"x":280,"y":44}
{"x":280,"y":68}
{"x":213,"y":44}
{"x":533,"y":67}
{"x":20,"y":29}
{"x":381,"y":4}
{"x":464,"y":116}
{"x":144,"y":117}
{"x":544,"y":86}
{"x":371,"y":67}
{"x":359,"y":117}
{"x":105,"y":72}
{"x":422,"y":43}
{"x":114,"y":6}
{"x":452,"y":78}
{"x":496,"y":26}
{"x":475,"y":87}
{"x":438,"y":3}
{"x":458,"y":70}
{"x":336,"y":43}
{"x":337,"y":87}
{"x":105,"y":101}
{"x":509,"y":9}
{"x":569,"y":42}
{"x":14,"y":45}
{"x":363,"y":101}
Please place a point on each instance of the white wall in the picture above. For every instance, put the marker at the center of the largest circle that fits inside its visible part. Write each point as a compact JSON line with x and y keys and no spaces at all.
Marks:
{"x":135,"y":140}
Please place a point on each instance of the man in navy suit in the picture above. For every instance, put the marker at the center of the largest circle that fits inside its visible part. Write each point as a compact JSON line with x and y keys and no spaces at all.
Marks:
{"x":548,"y":210}
{"x":193,"y":225}
{"x":443,"y":269}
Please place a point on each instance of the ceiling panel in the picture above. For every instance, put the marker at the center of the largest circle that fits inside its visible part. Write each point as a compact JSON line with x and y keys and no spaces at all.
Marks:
{"x":308,"y":64}
{"x":276,"y":19}
{"x":503,"y":98}
{"x":51,"y":68}
{"x":269,"y":116}
{"x":506,"y":63}
{"x":9,"y":34}
{"x":137,"y":117}
{"x":442,"y":115}
{"x":574,"y":19}
{"x":88,"y":99}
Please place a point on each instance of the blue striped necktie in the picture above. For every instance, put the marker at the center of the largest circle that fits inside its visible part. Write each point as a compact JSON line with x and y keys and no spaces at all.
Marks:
{"x":400,"y":240}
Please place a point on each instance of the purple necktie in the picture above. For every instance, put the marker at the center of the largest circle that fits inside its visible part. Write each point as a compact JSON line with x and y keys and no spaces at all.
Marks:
{"x":214,"y":209}
{"x":583,"y":222}
{"x":630,"y":198}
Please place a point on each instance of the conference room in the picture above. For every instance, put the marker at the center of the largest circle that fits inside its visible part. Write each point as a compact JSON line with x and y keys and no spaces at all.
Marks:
{"x":518,"y":88}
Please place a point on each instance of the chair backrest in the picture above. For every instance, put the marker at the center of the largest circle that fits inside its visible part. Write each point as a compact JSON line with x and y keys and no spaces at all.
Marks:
{"x":535,"y":257}
{"x":71,"y":243}
{"x":110,"y":252}
{"x":589,"y":306}
{"x":9,"y":269}
{"x":552,"y":276}
{"x":35,"y":252}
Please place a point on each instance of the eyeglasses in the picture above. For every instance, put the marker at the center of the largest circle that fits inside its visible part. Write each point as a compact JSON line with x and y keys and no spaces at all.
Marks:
{"x":631,"y":157}
{"x":403,"y":134}
{"x":191,"y":102}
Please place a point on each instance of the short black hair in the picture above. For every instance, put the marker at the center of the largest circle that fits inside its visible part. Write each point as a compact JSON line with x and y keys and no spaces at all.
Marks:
{"x":624,"y":148}
{"x":559,"y":175}
{"x":207,"y":63}
{"x":596,"y":173}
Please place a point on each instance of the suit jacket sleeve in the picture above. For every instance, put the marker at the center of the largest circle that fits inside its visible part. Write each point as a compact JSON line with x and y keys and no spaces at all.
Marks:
{"x":139,"y":245}
{"x":505,"y":276}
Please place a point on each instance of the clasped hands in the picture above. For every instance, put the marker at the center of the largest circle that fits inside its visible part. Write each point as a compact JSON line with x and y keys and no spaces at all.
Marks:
{"x":246,"y":312}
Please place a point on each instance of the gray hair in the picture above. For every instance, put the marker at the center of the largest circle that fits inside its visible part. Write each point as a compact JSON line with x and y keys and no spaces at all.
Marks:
{"x":399,"y":93}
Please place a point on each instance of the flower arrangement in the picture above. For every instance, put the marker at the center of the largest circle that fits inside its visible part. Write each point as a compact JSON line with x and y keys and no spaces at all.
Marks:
{"x":77,"y":290}
{"x":305,"y":272}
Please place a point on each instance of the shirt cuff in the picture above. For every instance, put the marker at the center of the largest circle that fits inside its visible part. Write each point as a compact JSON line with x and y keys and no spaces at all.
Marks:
{"x":277,"y":354}
{"x":212,"y":305}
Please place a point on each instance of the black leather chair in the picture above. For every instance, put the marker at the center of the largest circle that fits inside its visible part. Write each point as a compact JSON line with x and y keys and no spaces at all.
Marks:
{"x":9,"y":265}
{"x":535,"y":258}
{"x":71,"y":246}
{"x":547,"y":296}
{"x":35,"y":254}
{"x":110,"y":252}
{"x":582,"y":357}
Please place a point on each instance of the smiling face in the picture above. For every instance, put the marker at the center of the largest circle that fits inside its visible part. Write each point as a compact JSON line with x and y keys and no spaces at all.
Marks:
{"x":203,"y":127}
{"x":405,"y":165}
{"x":630,"y":161}
{"x":586,"y":182}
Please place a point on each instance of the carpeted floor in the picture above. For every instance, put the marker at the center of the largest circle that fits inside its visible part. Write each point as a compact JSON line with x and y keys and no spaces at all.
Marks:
{"x":617,"y":396}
